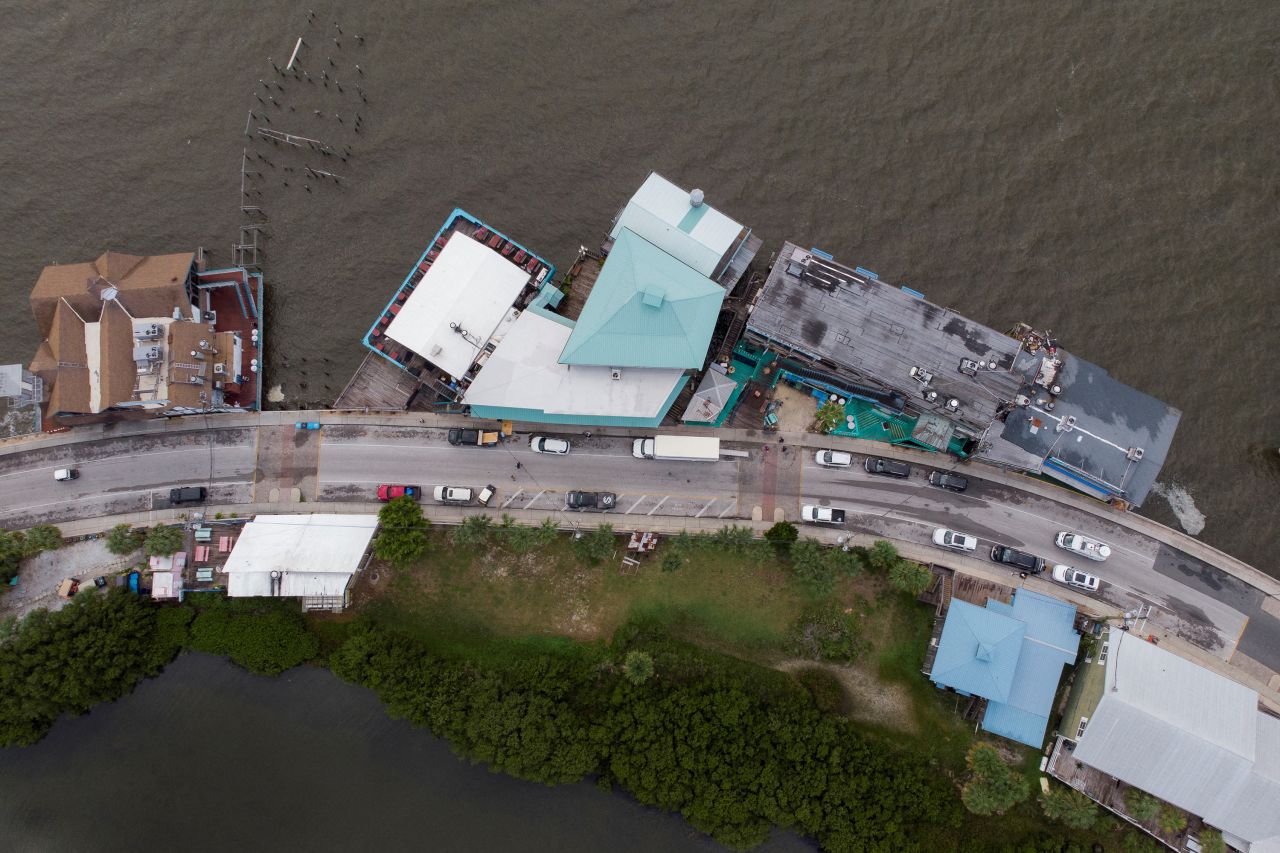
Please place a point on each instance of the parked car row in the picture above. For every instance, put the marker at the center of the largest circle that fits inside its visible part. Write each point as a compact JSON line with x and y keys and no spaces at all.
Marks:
{"x":889,"y":468}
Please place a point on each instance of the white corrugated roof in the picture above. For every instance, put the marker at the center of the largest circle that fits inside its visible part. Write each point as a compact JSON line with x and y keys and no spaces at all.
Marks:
{"x":524,"y":372}
{"x":469,"y":285}
{"x":1188,"y":736}
{"x":660,"y":212}
{"x":315,"y":554}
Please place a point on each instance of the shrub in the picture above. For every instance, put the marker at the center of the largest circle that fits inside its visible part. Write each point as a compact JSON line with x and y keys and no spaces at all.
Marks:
{"x":1070,"y":807}
{"x":596,"y":545}
{"x":671,"y":560}
{"x":162,"y":541}
{"x":911,"y":578}
{"x":992,"y":787}
{"x":474,"y":530}
{"x":882,"y":556}
{"x":638,"y":667}
{"x":402,"y":531}
{"x":830,"y":415}
{"x":11,"y":553}
{"x":1211,"y":841}
{"x":828,"y":693}
{"x":42,"y":537}
{"x":1173,"y":820}
{"x":813,"y":565}
{"x":1141,"y":806}
{"x":734,"y":538}
{"x":781,"y":535}
{"x":123,"y":539}
{"x":825,"y":632}
{"x":522,"y":539}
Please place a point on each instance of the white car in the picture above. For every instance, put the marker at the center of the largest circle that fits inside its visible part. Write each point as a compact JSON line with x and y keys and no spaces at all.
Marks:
{"x":1076,"y":578}
{"x":1084,"y":546}
{"x":542,"y":444}
{"x":62,"y":475}
{"x":955,"y":540}
{"x":821,"y":514}
{"x":453,"y":494}
{"x":833,"y":458}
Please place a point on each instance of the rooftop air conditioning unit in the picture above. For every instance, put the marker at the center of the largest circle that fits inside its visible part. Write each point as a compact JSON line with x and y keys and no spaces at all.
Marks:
{"x":219,"y":368}
{"x":212,"y":316}
{"x":615,"y":373}
{"x":436,"y":350}
{"x":196,"y":380}
{"x":1135,"y":454}
{"x":204,"y":345}
{"x":1022,"y":400}
{"x":931,"y":396}
{"x":153,"y":353}
{"x":953,"y":404}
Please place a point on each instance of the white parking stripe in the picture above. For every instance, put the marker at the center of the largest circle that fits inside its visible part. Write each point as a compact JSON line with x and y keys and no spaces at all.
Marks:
{"x":636,"y":504}
{"x":658,"y":504}
{"x":534,"y":499}
{"x":730,"y":508}
{"x":506,"y":504}
{"x":705,"y":508}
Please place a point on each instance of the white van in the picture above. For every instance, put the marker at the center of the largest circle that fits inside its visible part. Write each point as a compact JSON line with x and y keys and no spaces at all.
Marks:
{"x":64,"y":474}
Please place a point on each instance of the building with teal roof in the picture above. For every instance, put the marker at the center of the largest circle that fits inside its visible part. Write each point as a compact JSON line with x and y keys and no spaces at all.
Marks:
{"x":1012,"y":655}
{"x":647,"y":309}
{"x":645,"y":327}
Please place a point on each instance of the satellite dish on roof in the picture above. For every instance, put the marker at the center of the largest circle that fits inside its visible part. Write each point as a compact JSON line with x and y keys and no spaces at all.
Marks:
{"x":695,"y":198}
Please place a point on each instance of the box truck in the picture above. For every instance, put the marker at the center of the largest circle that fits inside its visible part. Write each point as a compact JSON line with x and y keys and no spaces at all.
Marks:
{"x":677,"y":448}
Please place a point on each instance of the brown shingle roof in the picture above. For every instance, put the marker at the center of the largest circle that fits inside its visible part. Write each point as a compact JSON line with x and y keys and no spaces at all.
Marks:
{"x":117,"y":371}
{"x":148,"y":286}
{"x":185,"y":336}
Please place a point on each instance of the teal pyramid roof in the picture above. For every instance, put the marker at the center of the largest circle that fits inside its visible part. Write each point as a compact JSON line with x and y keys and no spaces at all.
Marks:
{"x":647,"y":309}
{"x":978,"y":651}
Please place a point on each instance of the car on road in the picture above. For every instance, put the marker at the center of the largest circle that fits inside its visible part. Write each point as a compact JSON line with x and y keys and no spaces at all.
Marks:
{"x":955,"y":540}
{"x":486,"y":494}
{"x":453,"y":494}
{"x":887,"y":467}
{"x":1083,"y":545}
{"x":545,"y":444}
{"x":388,"y":492}
{"x":833,"y":458}
{"x":64,"y":474}
{"x":1074,"y":577}
{"x":947,"y":480}
{"x":821,"y":514}
{"x":188,"y":495}
{"x":473,"y":436}
{"x":1020,"y":560}
{"x":603,"y":501}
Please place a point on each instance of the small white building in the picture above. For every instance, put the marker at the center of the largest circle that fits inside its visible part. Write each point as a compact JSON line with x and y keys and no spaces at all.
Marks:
{"x":311,"y":557}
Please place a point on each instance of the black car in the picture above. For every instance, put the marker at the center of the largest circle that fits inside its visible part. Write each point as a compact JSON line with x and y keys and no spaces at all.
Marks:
{"x":603,"y":501}
{"x":887,"y":467}
{"x":1020,"y":560}
{"x":462,"y":436}
{"x":951,"y":482}
{"x":187,"y":495}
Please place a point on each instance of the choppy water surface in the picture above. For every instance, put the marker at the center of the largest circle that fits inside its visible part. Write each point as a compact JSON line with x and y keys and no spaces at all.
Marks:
{"x":1107,"y":171}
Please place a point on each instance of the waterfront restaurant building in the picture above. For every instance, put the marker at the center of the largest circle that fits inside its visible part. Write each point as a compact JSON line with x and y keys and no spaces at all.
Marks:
{"x":480,"y":323}
{"x":308,"y":557}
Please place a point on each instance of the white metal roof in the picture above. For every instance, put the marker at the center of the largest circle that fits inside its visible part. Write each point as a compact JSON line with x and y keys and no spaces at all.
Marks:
{"x":524,"y":372}
{"x":660,"y":212}
{"x":469,"y":285}
{"x":315,"y":554}
{"x":1188,"y":736}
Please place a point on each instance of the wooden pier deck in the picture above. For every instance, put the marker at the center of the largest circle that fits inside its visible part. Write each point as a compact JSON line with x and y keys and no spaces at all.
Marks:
{"x":377,"y":385}
{"x":584,"y":274}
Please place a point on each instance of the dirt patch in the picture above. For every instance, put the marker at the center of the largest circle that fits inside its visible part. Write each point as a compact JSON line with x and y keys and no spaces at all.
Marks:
{"x":873,"y":700}
{"x":797,"y":411}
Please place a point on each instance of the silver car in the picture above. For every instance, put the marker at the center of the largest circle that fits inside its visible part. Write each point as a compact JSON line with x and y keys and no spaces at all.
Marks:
{"x":544,"y":444}
{"x":955,"y":540}
{"x":833,"y":458}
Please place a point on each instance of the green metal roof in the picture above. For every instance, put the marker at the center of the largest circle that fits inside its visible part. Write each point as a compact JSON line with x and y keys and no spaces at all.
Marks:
{"x":647,"y":309}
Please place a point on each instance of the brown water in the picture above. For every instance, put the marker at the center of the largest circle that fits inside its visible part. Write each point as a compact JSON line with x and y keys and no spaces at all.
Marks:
{"x":1108,"y":171}
{"x":211,"y":758}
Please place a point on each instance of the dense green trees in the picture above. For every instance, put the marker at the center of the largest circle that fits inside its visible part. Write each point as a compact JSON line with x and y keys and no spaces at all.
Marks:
{"x":402,"y":532}
{"x":992,"y":787}
{"x":264,"y":635}
{"x":93,"y":650}
{"x":638,"y":666}
{"x":163,"y":541}
{"x":1070,"y":807}
{"x":15,"y":546}
{"x":781,"y":536}
{"x":124,"y":539}
{"x":734,"y":755}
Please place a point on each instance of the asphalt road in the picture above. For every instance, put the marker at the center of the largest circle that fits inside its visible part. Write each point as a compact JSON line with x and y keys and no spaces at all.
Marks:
{"x":347,"y":463}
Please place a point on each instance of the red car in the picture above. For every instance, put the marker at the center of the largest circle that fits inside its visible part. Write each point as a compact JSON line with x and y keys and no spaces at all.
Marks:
{"x":389,"y":493}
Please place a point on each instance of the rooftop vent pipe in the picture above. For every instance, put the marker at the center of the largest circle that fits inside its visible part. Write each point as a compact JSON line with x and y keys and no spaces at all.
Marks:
{"x":695,"y":198}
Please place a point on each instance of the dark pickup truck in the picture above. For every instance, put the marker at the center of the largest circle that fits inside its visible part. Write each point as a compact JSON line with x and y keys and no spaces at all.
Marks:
{"x":187,"y":495}
{"x":603,"y":501}
{"x":887,"y":467}
{"x":477,"y":437}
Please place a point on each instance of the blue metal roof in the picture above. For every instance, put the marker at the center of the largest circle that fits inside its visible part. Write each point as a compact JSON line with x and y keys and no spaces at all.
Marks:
{"x":1010,"y":654}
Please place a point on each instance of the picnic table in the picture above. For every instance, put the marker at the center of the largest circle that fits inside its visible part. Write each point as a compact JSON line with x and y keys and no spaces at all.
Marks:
{"x":643,"y":543}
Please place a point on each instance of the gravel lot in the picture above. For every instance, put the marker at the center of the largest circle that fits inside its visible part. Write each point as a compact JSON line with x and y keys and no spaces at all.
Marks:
{"x":38,"y":581}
